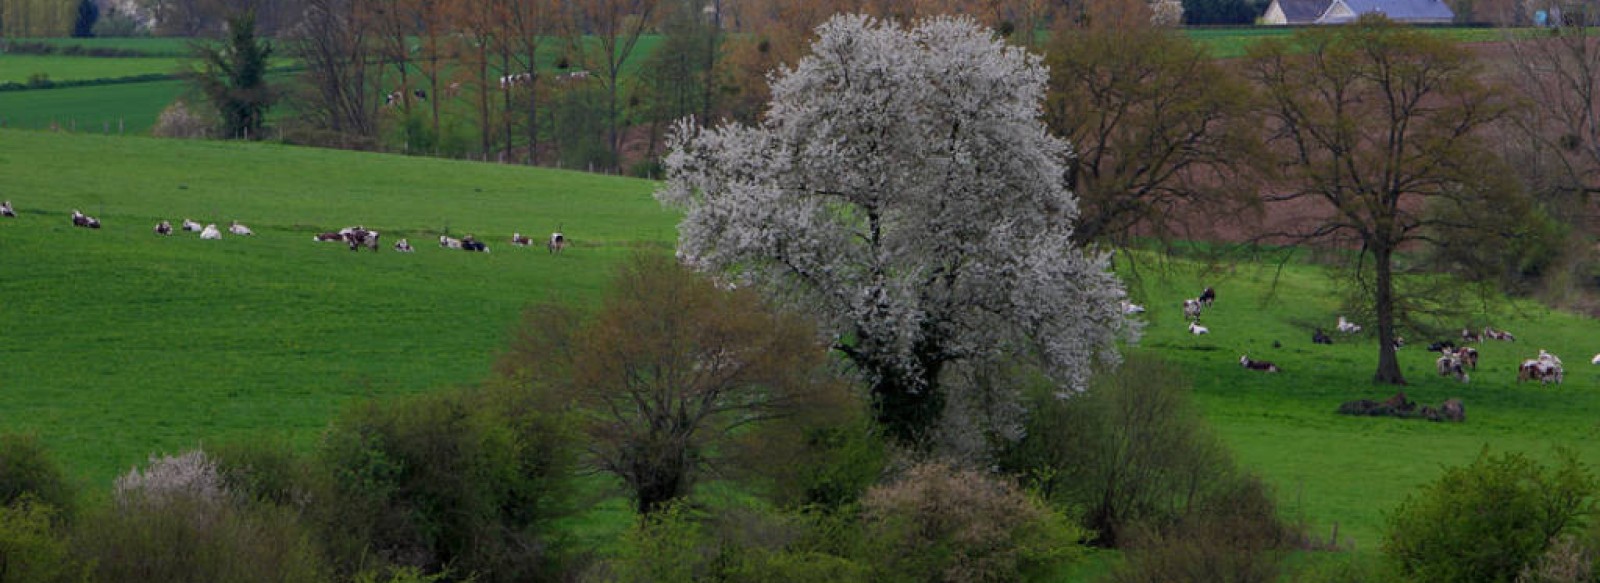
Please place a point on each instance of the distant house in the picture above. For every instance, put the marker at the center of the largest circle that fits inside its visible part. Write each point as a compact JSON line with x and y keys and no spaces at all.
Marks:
{"x":1343,"y":11}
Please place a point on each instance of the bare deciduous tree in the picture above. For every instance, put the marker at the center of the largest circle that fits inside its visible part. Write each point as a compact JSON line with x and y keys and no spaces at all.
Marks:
{"x":1379,"y":125}
{"x":670,"y":371}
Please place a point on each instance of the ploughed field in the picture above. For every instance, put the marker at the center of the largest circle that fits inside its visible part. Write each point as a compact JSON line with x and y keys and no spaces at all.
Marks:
{"x":117,"y":343}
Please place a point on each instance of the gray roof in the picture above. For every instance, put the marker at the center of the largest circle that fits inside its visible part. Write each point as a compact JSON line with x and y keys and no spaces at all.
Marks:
{"x":1404,"y":10}
{"x":1302,"y":11}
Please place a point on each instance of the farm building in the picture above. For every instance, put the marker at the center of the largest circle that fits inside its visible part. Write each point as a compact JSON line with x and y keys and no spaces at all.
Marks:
{"x":1343,"y":11}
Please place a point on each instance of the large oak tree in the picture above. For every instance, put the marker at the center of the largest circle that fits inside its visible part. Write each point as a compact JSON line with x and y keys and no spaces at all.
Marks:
{"x":1379,"y":125}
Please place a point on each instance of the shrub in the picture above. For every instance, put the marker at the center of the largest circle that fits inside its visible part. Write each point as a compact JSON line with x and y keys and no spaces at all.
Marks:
{"x":264,"y":471}
{"x":1131,"y":452}
{"x":1489,"y":520}
{"x":173,"y":522}
{"x":26,"y":470}
{"x":31,"y":551}
{"x":941,"y":524}
{"x":681,"y":544}
{"x":1233,"y":536}
{"x":181,"y":120}
{"x":465,"y":480}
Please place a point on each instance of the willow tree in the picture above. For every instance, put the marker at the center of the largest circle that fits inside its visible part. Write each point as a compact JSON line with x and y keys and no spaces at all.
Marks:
{"x":1381,"y":127}
{"x":902,"y":190}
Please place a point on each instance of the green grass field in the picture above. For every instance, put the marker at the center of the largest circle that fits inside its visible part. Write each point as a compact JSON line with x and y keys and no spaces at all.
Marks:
{"x":18,"y":68}
{"x":150,"y":46}
{"x":93,"y":109}
{"x":117,"y":343}
{"x":1330,"y":468}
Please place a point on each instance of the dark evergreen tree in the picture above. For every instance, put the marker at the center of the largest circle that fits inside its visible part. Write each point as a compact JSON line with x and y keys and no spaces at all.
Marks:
{"x":234,"y":79}
{"x":1221,"y":11}
{"x":88,"y":14}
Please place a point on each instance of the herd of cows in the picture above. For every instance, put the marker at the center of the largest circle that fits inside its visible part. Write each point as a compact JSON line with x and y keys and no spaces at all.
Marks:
{"x":356,"y":237}
{"x":1453,"y":360}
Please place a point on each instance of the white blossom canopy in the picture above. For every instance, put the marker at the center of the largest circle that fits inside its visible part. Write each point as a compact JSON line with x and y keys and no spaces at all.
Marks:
{"x":903,"y":189}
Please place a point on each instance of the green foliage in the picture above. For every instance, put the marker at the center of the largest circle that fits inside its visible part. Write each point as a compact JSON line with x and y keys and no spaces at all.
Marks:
{"x":459,"y":480}
{"x":26,"y":470}
{"x":187,"y":536}
{"x":31,"y":548}
{"x":1131,"y":452}
{"x":937,"y":523}
{"x":579,"y":128}
{"x":235,"y":78}
{"x":681,"y":545}
{"x":1232,"y":535}
{"x":1489,"y":520}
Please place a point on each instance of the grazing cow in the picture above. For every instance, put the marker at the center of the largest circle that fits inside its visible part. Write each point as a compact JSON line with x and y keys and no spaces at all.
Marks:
{"x":1207,"y":296}
{"x":447,"y":242}
{"x":6,"y":210}
{"x":557,"y":242}
{"x":1399,"y":342}
{"x":1492,"y":334}
{"x":321,"y":237}
{"x":1261,"y":365}
{"x":521,"y":240}
{"x":358,"y":237}
{"x":1595,"y":360}
{"x":1470,"y":336}
{"x":163,"y":228}
{"x":470,"y":244}
{"x":211,"y":232}
{"x":1347,"y":326}
{"x":403,"y":246}
{"x":1319,"y":337}
{"x":1540,"y":370}
{"x":1468,"y":356}
{"x":1449,"y":364}
{"x":1441,"y":345}
{"x":83,"y":220}
{"x":1130,"y":308}
{"x":1196,"y":329}
{"x":1191,"y":309}
{"x":190,"y":225}
{"x":515,"y":79}
{"x":239,"y":229}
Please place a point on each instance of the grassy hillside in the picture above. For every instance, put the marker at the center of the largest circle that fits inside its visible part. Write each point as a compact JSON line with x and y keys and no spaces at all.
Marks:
{"x":18,"y":68}
{"x":90,"y":109}
{"x":1331,"y":468}
{"x":118,"y":343}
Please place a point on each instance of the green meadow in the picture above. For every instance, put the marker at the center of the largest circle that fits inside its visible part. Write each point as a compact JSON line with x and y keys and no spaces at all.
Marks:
{"x":19,"y":68}
{"x":116,"y":343}
{"x":147,"y":45}
{"x":93,"y":109}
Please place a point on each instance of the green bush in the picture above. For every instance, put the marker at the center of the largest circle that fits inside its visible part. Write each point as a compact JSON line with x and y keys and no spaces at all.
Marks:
{"x":942,"y":524}
{"x":460,"y":480}
{"x":1489,"y":520}
{"x":1130,"y":453}
{"x":27,"y":470}
{"x":679,"y":544}
{"x":31,"y":549}
{"x":1233,"y":536}
{"x":174,"y":523}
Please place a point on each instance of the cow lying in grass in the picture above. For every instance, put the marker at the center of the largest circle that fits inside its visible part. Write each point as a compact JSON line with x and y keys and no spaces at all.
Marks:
{"x":211,"y":233}
{"x":239,"y":229}
{"x":192,"y":226}
{"x":6,"y":210}
{"x":403,"y":246}
{"x":468,"y":243}
{"x":449,"y":242}
{"x":521,"y":240}
{"x":83,"y":220}
{"x":1261,"y":365}
{"x":327,"y":237}
{"x":163,"y":228}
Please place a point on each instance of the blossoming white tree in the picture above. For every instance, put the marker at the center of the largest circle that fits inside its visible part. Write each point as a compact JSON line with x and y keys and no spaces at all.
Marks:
{"x":903,"y":190}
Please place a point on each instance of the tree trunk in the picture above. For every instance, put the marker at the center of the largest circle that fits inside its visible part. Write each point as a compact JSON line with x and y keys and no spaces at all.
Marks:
{"x":1388,"y":366}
